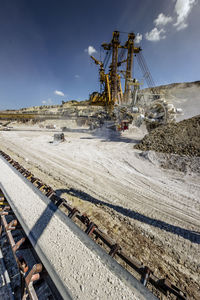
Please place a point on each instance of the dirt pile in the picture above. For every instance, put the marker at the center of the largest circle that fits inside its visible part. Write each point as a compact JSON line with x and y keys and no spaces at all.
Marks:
{"x":182,"y":138}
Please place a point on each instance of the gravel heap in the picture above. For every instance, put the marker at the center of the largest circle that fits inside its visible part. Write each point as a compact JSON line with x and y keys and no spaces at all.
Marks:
{"x":182,"y":138}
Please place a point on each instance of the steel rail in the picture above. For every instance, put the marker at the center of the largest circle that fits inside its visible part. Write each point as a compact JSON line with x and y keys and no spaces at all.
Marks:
{"x":91,"y":229}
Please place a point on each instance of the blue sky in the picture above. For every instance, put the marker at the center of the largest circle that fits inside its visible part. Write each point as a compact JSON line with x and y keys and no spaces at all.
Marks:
{"x":44,"y":57}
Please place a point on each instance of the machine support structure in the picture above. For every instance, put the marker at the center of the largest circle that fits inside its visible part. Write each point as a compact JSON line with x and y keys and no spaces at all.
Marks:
{"x":114,"y":78}
{"x":112,"y":93}
{"x":129,"y":66}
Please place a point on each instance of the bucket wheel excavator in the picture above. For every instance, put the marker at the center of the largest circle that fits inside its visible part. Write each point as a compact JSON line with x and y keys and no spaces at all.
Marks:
{"x":128,"y":106}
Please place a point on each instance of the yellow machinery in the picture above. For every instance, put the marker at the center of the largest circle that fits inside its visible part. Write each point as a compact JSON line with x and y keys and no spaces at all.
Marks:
{"x":154,"y":111}
{"x":112,"y":90}
{"x":129,"y":66}
{"x":105,"y":97}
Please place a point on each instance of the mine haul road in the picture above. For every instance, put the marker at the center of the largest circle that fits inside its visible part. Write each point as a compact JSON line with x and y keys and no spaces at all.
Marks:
{"x":153,"y":213}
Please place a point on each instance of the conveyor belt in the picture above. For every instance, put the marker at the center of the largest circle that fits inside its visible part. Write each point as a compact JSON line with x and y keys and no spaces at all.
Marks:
{"x":147,"y":277}
{"x":76,"y":265}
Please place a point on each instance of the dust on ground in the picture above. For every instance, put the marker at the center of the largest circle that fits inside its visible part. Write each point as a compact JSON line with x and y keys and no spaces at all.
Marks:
{"x":150,"y":211}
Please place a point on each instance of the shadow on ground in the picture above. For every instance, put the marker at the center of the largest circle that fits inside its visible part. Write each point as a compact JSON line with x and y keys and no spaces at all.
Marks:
{"x":190,"y":235}
{"x":42,"y":222}
{"x":110,"y":135}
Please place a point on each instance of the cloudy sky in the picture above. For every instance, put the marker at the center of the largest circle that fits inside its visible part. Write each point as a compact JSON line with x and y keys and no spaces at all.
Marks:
{"x":45,"y":45}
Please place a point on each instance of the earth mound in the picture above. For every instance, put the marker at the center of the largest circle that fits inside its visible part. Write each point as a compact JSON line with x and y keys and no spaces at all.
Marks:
{"x":182,"y":138}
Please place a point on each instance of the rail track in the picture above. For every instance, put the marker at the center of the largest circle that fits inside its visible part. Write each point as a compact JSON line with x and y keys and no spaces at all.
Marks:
{"x":143,"y":273}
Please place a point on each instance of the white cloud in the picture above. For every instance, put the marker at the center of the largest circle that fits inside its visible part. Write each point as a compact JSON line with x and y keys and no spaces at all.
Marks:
{"x":183,"y":9}
{"x":162,"y":20}
{"x":59,"y":93}
{"x":181,"y":26}
{"x":90,"y":50}
{"x":155,"y":35}
{"x":138,"y":38}
{"x":77,"y":76}
{"x":47,"y":102}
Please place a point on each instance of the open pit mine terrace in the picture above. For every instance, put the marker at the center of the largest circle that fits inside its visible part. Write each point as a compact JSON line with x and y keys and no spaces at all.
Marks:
{"x":48,"y":254}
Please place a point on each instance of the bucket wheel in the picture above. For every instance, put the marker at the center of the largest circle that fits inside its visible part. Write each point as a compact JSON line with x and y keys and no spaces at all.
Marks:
{"x":159,"y":113}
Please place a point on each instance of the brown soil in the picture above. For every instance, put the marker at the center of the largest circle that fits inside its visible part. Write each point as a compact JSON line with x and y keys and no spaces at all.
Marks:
{"x":182,"y":138}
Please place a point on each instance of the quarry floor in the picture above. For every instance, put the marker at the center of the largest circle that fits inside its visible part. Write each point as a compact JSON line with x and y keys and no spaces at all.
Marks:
{"x":153,"y":213}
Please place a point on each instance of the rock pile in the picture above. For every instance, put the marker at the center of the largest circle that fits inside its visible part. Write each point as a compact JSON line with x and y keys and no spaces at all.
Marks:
{"x":182,"y":138}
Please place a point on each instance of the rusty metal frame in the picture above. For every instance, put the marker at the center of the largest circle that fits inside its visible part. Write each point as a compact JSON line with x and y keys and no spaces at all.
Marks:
{"x":33,"y":275}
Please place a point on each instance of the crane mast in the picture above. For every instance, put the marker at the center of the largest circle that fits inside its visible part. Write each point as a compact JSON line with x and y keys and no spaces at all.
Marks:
{"x":114,"y":45}
{"x":114,"y":78}
{"x":129,"y":66}
{"x":112,"y":93}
